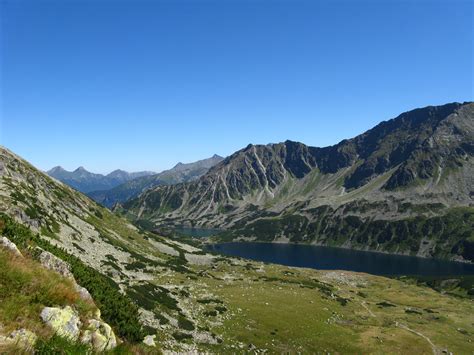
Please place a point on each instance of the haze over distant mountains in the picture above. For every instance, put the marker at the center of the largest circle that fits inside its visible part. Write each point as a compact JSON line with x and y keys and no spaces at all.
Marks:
{"x":119,"y":185}
{"x":85,"y":181}
{"x":132,"y":188}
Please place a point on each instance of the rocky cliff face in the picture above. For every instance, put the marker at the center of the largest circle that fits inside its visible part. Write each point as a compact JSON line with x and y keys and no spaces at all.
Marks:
{"x":422,"y":158}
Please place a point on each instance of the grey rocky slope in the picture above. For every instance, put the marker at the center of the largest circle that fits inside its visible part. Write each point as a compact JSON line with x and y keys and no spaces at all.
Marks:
{"x":85,"y":181}
{"x":388,"y":189}
{"x":130,"y":259}
{"x":178,"y":174}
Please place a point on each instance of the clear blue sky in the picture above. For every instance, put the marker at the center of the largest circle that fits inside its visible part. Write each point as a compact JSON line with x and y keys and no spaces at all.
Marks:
{"x":145,"y":84}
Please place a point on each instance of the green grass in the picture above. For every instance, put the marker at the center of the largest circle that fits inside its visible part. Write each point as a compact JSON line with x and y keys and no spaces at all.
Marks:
{"x":26,"y":288}
{"x":117,"y":309}
{"x":61,"y":346}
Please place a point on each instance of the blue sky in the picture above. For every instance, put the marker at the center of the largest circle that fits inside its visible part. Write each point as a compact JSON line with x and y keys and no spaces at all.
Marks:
{"x":145,"y":84}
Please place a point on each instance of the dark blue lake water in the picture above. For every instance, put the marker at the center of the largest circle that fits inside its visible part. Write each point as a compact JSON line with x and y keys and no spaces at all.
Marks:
{"x":327,"y":258}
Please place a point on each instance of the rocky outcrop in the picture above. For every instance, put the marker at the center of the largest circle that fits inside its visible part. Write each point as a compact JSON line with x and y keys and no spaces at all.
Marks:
{"x":7,"y":244}
{"x":54,"y":263}
{"x":64,"y":321}
{"x":100,"y":335}
{"x":58,"y":265}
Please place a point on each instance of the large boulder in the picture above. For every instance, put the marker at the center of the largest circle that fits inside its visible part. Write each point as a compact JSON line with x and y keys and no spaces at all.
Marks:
{"x":8,"y":244}
{"x":64,"y":321}
{"x":100,"y":335}
{"x":54,"y":263}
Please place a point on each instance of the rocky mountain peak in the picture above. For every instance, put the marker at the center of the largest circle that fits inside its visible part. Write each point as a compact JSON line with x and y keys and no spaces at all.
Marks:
{"x":413,"y":156}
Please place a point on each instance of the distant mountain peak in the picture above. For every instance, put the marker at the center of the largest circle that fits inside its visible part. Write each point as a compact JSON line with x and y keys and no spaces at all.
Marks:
{"x":85,"y":181}
{"x":117,"y":172}
{"x":56,"y":169}
{"x":181,"y":172}
{"x":421,"y":156}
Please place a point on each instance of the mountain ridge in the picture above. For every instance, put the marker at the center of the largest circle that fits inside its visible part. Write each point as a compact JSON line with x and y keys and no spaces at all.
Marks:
{"x":170,"y":290}
{"x":422,"y":158}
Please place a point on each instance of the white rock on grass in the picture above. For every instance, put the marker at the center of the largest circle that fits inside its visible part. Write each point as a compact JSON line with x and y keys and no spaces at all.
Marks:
{"x":64,"y":321}
{"x":100,"y":335}
{"x":149,"y":340}
{"x":8,"y":244}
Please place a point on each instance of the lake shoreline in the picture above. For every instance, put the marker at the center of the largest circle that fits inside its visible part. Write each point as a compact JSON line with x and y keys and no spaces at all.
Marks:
{"x":208,"y":241}
{"x":373,"y":262}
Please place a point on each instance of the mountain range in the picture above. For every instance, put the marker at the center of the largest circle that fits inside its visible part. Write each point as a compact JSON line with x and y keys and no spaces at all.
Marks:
{"x":142,"y":292}
{"x":405,"y":186}
{"x":133,"y":187}
{"x":85,"y":181}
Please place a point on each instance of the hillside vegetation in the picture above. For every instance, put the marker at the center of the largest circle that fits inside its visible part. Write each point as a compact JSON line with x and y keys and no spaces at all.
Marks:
{"x":191,"y":300}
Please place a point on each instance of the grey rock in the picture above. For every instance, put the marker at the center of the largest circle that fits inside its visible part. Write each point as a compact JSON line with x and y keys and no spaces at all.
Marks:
{"x":100,"y":335}
{"x":83,"y":293}
{"x":64,"y":321}
{"x":54,"y":263}
{"x":149,"y":340}
{"x":7,"y":244}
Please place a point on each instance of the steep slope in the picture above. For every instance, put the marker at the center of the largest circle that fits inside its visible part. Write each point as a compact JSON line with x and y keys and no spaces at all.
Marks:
{"x":178,"y":174}
{"x":193,"y":301}
{"x":85,"y":181}
{"x":385,"y":189}
{"x":117,"y":261}
{"x":36,"y":288}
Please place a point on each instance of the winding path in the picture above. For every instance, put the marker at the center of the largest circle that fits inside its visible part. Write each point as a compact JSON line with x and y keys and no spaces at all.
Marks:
{"x":433,"y":347}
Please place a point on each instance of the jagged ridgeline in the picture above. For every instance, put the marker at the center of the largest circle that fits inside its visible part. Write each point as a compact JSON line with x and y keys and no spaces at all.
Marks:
{"x":406,"y":186}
